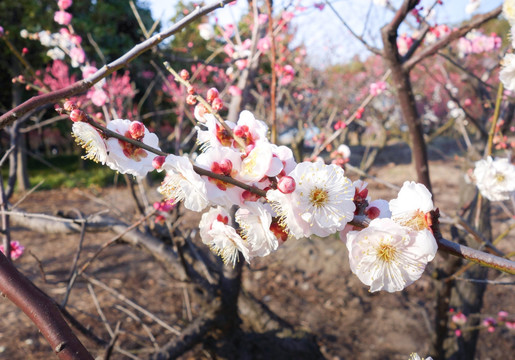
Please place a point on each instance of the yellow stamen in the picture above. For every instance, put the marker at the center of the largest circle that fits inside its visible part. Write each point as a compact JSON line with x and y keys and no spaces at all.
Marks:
{"x":386,"y":252}
{"x":318,"y":197}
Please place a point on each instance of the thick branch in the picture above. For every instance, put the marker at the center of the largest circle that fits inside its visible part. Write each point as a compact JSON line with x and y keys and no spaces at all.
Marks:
{"x":462,"y":31}
{"x":42,"y":311}
{"x":81,"y":86}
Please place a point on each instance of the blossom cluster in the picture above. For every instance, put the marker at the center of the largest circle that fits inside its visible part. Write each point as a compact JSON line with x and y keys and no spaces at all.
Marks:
{"x":475,"y":42}
{"x":495,"y":179}
{"x":273,"y":197}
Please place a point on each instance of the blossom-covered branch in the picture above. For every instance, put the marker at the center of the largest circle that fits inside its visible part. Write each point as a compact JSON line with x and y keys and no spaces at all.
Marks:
{"x":83,"y":85}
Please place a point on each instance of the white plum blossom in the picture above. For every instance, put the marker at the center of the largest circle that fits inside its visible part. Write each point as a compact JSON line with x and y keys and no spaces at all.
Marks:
{"x":388,"y":256}
{"x":127,"y":158}
{"x":55,"y":53}
{"x":411,"y":206}
{"x":223,"y":161}
{"x":507,"y":73}
{"x":182,"y":183}
{"x":415,"y":356}
{"x":221,"y":237}
{"x":206,"y":31}
{"x":250,"y":129}
{"x":218,"y":213}
{"x":215,"y":134}
{"x":508,"y":11}
{"x":255,"y":220}
{"x":321,"y":203}
{"x":472,"y":6}
{"x":259,"y":163}
{"x":90,"y":139}
{"x":495,"y":179}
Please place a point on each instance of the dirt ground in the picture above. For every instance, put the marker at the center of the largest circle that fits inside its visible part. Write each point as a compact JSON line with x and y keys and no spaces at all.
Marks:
{"x":307,"y":282}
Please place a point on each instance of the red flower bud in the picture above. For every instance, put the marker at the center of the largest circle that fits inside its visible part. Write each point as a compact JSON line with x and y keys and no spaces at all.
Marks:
{"x":217,"y":104}
{"x":158,"y":162}
{"x":77,"y":115}
{"x":286,"y":185}
{"x":69,"y":105}
{"x":137,"y":130}
{"x":184,"y":74}
{"x":212,"y":94}
{"x":373,"y":212}
{"x":191,"y":100}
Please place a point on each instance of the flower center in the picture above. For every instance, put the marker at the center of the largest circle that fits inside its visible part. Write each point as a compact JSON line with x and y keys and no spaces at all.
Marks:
{"x":416,"y":222}
{"x":499,"y":177}
{"x":318,"y":197}
{"x":386,"y":252}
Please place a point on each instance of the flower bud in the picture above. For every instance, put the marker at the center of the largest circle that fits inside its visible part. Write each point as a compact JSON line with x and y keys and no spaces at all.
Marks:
{"x":24,"y":51}
{"x":373,"y":212}
{"x":191,"y":100}
{"x":69,"y":105}
{"x":191,"y":90}
{"x":286,"y":185}
{"x":184,"y":74}
{"x":137,"y":130}
{"x":158,"y":162}
{"x":77,"y":115}
{"x":212,"y":94}
{"x":217,"y":104}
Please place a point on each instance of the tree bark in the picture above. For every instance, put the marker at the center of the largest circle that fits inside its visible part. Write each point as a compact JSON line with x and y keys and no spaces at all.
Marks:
{"x":407,"y":104}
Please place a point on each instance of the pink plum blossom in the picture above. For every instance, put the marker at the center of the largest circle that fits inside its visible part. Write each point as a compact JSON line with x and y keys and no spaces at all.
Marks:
{"x":16,"y":249}
{"x":62,"y":17}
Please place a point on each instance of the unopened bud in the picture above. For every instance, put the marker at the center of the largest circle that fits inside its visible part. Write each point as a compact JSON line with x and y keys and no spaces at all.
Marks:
{"x":217,"y":104}
{"x":137,"y":130}
{"x":191,"y":90}
{"x":158,"y":162}
{"x":184,"y":74}
{"x":69,"y":105}
{"x":77,"y":115}
{"x":286,"y":185}
{"x":212,"y":94}
{"x":191,"y":100}
{"x":373,"y":212}
{"x":24,"y":51}
{"x":58,"y":108}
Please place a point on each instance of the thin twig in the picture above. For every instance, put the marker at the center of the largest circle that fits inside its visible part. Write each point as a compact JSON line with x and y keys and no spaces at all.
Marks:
{"x":131,"y":303}
{"x":99,"y":311}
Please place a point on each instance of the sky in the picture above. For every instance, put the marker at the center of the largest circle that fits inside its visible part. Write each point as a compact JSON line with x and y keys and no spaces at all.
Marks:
{"x":326,"y":39}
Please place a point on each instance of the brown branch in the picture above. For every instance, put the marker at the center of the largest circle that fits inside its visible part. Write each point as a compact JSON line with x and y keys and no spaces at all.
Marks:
{"x":42,"y":311}
{"x":273,"y":84}
{"x":83,"y":85}
{"x":462,"y":31}
{"x":405,"y":96}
